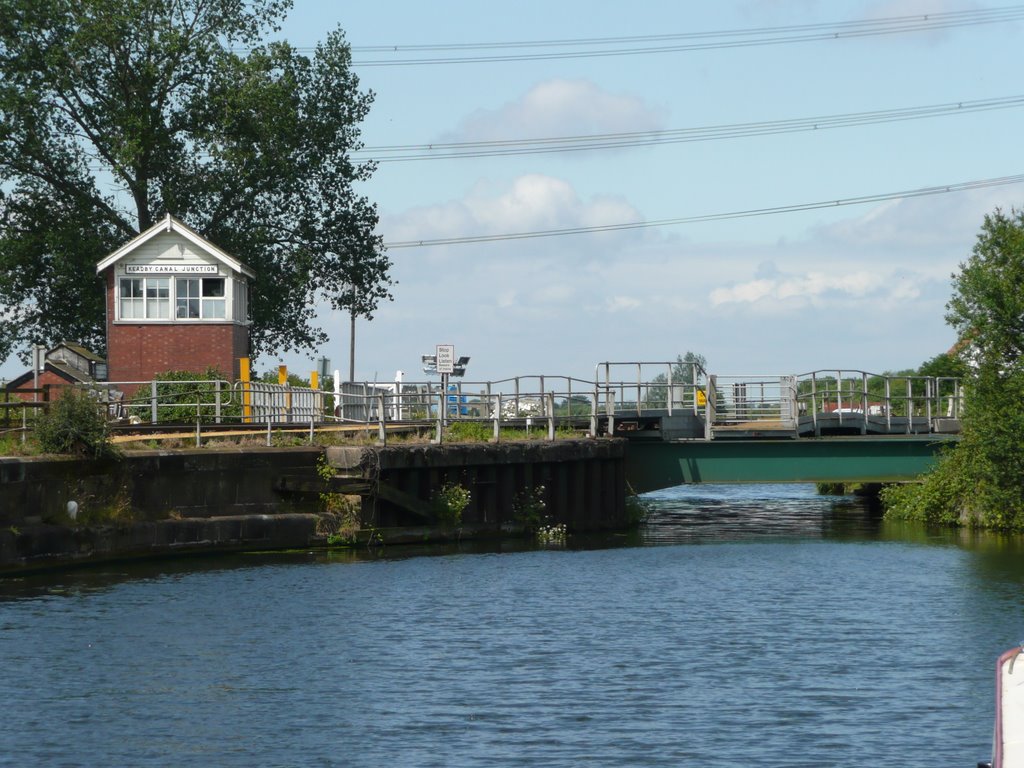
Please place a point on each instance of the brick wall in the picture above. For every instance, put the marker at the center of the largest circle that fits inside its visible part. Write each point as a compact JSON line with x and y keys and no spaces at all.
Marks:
{"x":139,"y":351}
{"x":46,"y":378}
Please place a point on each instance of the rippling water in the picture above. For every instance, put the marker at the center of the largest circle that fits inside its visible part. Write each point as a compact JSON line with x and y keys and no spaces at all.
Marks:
{"x":758,"y":626}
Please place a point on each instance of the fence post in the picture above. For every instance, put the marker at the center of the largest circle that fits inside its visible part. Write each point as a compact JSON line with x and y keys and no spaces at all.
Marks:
{"x":864,"y":402}
{"x":593,"y":412}
{"x":496,"y":406}
{"x":709,"y":406}
{"x":199,"y":443}
{"x":382,"y":434}
{"x":152,"y":401}
{"x":440,"y":417}
{"x":216,"y":407}
{"x":910,"y":406}
{"x":550,"y":397}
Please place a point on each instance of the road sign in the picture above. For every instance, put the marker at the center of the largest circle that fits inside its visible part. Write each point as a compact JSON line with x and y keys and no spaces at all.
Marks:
{"x":445,"y":358}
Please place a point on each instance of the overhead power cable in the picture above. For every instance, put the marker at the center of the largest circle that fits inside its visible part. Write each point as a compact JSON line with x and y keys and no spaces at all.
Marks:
{"x":878,"y":198}
{"x":538,"y":50}
{"x":590,"y":142}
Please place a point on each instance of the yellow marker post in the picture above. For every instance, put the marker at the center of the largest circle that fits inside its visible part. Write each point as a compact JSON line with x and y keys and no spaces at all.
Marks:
{"x":243,"y":376}
{"x":282,"y":379}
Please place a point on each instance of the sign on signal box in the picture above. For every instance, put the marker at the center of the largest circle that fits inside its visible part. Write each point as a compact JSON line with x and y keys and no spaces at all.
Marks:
{"x":446,"y":358}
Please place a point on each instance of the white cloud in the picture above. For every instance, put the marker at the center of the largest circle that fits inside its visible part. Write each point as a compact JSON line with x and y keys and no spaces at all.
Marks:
{"x":816,"y":289}
{"x":530,"y":203}
{"x":557,"y":108}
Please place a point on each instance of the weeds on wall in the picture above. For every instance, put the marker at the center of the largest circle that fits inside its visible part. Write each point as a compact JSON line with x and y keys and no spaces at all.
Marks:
{"x":530,"y":509}
{"x":339,"y":513}
{"x":449,"y":503}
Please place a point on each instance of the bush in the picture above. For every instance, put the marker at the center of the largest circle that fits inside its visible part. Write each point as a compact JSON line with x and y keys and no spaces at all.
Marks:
{"x":189,"y":395}
{"x":449,"y":503}
{"x":74,"y":423}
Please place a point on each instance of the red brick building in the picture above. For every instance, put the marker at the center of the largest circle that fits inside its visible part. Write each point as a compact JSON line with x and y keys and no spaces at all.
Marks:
{"x":63,"y":366}
{"x":175,"y":302}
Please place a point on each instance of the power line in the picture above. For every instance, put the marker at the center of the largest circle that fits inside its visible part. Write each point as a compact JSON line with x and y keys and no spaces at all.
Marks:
{"x":590,"y":142}
{"x":878,"y":198}
{"x":685,"y":41}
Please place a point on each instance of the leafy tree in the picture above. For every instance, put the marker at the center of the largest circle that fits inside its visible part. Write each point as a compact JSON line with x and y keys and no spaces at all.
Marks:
{"x":115,"y":112}
{"x":293,"y":380}
{"x":687,"y":369}
{"x":980,"y":481}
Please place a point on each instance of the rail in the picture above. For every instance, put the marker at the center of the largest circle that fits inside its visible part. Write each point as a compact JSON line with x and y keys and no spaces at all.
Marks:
{"x":670,"y":386}
{"x":697,"y":403}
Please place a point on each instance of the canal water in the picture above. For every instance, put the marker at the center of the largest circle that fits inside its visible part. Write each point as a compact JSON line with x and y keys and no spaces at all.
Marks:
{"x":741,"y":626}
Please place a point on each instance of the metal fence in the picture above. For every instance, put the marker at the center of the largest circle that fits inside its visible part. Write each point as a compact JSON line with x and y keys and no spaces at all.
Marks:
{"x":844,"y":398}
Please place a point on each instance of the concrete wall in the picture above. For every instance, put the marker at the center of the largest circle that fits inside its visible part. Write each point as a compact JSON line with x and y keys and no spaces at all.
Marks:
{"x":155,"y":484}
{"x":51,"y":546}
{"x":154,"y":503}
{"x":582,"y":482}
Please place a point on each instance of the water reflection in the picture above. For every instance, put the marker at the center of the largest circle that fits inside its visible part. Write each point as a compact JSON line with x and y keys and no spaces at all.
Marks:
{"x":692,"y":514}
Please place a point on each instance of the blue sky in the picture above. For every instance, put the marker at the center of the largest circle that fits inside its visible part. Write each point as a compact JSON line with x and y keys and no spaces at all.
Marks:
{"x":852,"y":286}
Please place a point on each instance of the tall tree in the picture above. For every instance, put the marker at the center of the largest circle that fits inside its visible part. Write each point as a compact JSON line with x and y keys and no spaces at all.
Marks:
{"x":981,"y":481}
{"x":115,"y":112}
{"x":688,"y":369}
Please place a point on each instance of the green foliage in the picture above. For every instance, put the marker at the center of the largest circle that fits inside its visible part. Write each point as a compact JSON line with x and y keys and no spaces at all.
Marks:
{"x":636,"y":510}
{"x":979,"y":483}
{"x":190,"y":399}
{"x":449,"y":503}
{"x":944,"y":365}
{"x":687,"y":369}
{"x":530,"y":509}
{"x":74,"y":423}
{"x":831,"y":489}
{"x":469,"y":431}
{"x":293,"y":380}
{"x":114,"y":113}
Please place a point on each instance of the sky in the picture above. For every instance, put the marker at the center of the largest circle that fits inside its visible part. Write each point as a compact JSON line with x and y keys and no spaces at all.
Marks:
{"x":851,"y":286}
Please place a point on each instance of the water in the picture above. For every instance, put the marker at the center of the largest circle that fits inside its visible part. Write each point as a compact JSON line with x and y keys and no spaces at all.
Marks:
{"x":760,"y":626}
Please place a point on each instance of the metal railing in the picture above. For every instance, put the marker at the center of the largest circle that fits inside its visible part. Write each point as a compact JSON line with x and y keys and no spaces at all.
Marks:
{"x":855,"y":398}
{"x":669,"y":386}
{"x":848,"y":399}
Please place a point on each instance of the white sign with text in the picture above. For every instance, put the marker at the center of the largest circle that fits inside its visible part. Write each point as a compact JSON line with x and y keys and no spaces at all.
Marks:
{"x":446,"y":358}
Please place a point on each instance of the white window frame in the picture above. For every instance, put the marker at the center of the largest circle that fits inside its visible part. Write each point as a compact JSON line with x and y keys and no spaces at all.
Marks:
{"x":149,"y":294}
{"x":142,"y":302}
{"x":195,"y":292}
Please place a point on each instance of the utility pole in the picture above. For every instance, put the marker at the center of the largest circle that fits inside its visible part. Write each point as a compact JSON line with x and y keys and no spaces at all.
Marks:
{"x":352,"y":346}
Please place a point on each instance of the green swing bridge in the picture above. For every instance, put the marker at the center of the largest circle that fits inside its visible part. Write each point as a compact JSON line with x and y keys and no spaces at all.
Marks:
{"x":686,"y":425}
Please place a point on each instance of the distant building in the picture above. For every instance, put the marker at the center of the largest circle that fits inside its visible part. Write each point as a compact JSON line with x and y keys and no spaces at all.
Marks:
{"x":64,"y":365}
{"x":175,"y":301}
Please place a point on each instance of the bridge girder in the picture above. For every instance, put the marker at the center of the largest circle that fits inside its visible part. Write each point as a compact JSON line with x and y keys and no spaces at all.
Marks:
{"x":655,"y":464}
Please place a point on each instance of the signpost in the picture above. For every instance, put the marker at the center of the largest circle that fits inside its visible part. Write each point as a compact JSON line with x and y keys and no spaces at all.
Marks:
{"x":444,"y":362}
{"x":446,"y":359}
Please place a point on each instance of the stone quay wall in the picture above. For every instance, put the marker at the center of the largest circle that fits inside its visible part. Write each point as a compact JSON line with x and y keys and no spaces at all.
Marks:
{"x":160,"y":503}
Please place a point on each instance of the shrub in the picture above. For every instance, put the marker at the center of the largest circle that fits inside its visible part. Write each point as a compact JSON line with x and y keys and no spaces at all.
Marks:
{"x":201,"y":391}
{"x":74,"y":423}
{"x":449,"y":503}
